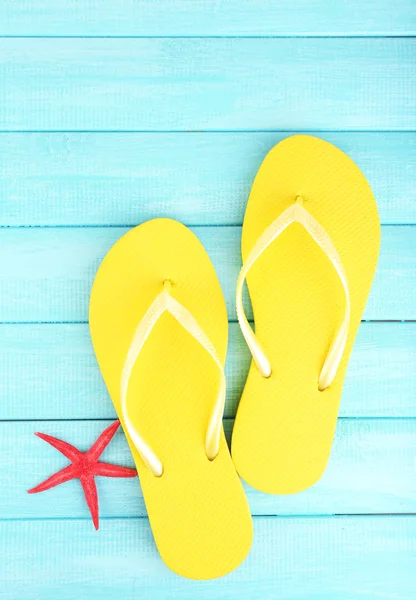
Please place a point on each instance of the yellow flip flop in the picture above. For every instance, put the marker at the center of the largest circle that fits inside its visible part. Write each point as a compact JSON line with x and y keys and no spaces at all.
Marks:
{"x":159,"y":326}
{"x":310,"y":244}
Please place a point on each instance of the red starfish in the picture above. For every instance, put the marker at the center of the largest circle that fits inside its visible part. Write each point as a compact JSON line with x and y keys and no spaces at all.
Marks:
{"x":85,"y":466}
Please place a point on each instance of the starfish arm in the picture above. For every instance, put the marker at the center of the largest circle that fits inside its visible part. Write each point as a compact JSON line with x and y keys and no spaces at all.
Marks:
{"x":64,"y":448}
{"x":102,"y":442}
{"x":107,"y":470}
{"x":91,"y":496}
{"x":60,"y":477}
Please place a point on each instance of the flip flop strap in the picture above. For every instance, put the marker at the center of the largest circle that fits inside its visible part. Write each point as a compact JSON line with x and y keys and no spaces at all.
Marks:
{"x":164,"y":302}
{"x":296,"y":213}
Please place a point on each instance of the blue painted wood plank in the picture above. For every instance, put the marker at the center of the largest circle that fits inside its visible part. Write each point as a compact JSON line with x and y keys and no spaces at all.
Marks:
{"x":344,"y":558}
{"x":50,"y":372}
{"x":206,"y":18}
{"x":207,"y":84}
{"x":46,"y":273}
{"x":370,"y":472}
{"x":199,"y":179}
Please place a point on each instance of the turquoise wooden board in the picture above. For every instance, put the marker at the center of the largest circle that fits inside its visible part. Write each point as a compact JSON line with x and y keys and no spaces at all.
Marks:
{"x":206,"y":18}
{"x":370,"y":471}
{"x":313,"y":558}
{"x":207,"y":84}
{"x":46,"y":273}
{"x":50,"y":372}
{"x":200,"y":179}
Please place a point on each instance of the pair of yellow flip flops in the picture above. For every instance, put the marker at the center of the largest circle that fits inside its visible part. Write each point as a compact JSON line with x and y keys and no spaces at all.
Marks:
{"x":159,"y":326}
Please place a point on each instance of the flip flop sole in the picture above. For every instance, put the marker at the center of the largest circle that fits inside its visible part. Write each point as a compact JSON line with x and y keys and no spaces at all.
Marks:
{"x":197,"y":509}
{"x":285,"y":426}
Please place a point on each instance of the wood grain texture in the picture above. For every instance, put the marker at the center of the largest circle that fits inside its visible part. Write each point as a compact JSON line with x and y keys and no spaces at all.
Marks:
{"x":50,"y":372}
{"x":46,"y":273}
{"x":370,"y":472}
{"x":318,"y":559}
{"x":199,"y":179}
{"x":205,"y":18}
{"x":207,"y":84}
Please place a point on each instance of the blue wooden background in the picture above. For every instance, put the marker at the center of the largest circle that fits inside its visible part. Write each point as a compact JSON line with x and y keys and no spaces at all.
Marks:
{"x":113,"y":112}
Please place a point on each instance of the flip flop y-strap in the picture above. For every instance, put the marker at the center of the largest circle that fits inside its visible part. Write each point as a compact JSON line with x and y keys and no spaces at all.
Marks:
{"x":164,"y":302}
{"x":296,"y":213}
